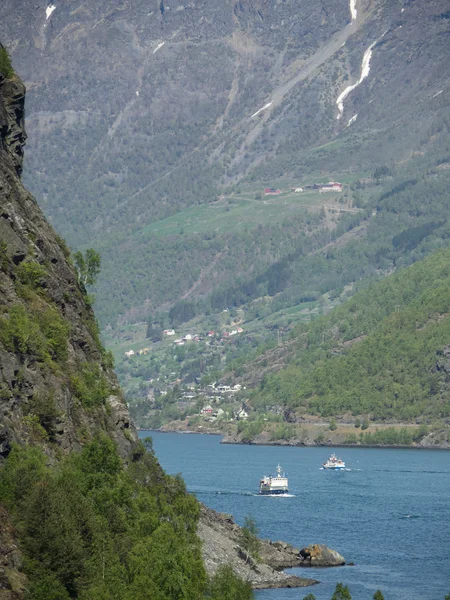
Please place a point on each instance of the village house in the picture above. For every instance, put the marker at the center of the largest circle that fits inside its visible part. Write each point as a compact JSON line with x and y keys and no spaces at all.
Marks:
{"x":169,"y":332}
{"x":271,"y":192}
{"x":130,"y":353}
{"x":242,"y":415}
{"x":207,"y":410}
{"x":331,"y":186}
{"x":188,"y":337}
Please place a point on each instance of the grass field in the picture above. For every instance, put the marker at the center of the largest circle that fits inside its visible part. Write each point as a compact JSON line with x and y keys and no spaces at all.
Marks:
{"x":235,"y":213}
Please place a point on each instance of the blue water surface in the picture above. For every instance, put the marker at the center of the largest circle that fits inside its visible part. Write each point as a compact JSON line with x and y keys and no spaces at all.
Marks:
{"x":389,"y":513}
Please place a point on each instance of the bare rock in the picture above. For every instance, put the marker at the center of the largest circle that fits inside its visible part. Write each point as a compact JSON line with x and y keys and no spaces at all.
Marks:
{"x":319,"y":555}
{"x":220,"y":537}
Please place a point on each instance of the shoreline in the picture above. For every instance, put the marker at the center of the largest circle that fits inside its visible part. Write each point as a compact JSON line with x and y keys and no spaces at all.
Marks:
{"x":298,"y":444}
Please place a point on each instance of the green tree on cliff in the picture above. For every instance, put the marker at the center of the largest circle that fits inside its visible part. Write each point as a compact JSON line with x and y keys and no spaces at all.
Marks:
{"x":378,"y":595}
{"x":5,"y":63}
{"x":87,"y":266}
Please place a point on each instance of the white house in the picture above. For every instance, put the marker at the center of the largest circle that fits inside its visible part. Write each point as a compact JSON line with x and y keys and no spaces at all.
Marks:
{"x":169,"y":332}
{"x":242,"y":415}
{"x":130,"y":353}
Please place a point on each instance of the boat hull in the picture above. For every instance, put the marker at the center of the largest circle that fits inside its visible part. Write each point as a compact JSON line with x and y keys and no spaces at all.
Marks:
{"x":273,"y":492}
{"x":334,"y":468}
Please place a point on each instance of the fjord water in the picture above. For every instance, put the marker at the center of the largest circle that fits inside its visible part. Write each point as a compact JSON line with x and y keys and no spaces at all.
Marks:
{"x":389,"y":513}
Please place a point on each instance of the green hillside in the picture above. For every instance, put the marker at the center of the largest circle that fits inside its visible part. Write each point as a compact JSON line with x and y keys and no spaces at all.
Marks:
{"x":381,"y":353}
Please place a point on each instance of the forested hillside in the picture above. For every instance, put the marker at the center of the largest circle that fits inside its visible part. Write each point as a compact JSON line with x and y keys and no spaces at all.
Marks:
{"x":383,"y":353}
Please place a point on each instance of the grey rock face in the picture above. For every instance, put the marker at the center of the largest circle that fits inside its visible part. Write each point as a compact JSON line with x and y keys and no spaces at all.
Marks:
{"x":220,"y":536}
{"x":26,"y":379}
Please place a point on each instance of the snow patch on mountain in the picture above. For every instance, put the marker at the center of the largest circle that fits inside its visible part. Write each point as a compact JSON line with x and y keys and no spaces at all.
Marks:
{"x":365,"y":70}
{"x":261,"y":109}
{"x":48,"y":11}
{"x":160,"y":45}
{"x":353,"y":10}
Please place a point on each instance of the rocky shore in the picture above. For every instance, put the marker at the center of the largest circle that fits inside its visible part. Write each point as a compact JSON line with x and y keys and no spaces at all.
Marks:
{"x":220,"y":536}
{"x":435,"y":440}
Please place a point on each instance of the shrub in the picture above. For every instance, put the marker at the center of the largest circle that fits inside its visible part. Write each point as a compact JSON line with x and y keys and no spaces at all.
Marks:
{"x":20,"y":333}
{"x":6,"y":68}
{"x":56,"y":332}
{"x":225,"y":585}
{"x":31,"y":273}
{"x":90,"y":385}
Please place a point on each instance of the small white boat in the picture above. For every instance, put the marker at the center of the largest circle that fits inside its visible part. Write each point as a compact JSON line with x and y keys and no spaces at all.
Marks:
{"x":333,"y":463}
{"x":274,"y":484}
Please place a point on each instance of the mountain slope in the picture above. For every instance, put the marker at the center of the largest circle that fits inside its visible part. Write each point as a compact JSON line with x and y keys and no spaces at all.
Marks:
{"x":383,"y":353}
{"x":184,"y":122}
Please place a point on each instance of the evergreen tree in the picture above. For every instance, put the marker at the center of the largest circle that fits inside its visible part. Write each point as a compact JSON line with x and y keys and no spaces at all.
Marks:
{"x":341,"y":592}
{"x":378,"y":595}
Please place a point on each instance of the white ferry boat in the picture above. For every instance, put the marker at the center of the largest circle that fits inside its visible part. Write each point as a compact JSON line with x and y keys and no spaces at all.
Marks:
{"x":336,"y":464}
{"x":275,"y":484}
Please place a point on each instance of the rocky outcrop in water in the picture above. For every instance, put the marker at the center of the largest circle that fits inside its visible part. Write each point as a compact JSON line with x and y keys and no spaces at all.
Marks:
{"x":319,"y":555}
{"x":221,"y":537}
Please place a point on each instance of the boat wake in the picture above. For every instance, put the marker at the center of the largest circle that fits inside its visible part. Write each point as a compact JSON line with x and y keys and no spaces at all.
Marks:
{"x":220,"y":492}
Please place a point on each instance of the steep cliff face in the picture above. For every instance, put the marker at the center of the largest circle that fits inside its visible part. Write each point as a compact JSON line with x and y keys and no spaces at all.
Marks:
{"x":56,"y":388}
{"x":56,"y":384}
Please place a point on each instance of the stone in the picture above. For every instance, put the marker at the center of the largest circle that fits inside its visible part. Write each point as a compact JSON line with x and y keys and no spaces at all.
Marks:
{"x":319,"y":555}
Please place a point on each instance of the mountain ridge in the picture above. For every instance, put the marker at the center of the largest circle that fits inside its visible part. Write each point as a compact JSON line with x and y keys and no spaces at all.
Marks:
{"x":181,"y":141}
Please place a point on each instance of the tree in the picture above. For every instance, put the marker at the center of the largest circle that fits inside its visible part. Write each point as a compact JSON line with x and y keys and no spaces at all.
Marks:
{"x":341,"y":592}
{"x":248,"y":539}
{"x":154,"y":332}
{"x":226,"y":585}
{"x":87,"y":266}
{"x":309,"y":597}
{"x":378,"y":595}
{"x":365,"y":423}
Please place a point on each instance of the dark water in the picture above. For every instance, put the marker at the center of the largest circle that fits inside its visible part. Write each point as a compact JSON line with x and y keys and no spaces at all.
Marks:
{"x":389,"y":513}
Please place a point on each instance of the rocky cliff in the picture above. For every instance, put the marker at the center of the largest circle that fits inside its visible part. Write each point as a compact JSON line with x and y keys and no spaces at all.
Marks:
{"x":56,"y":381}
